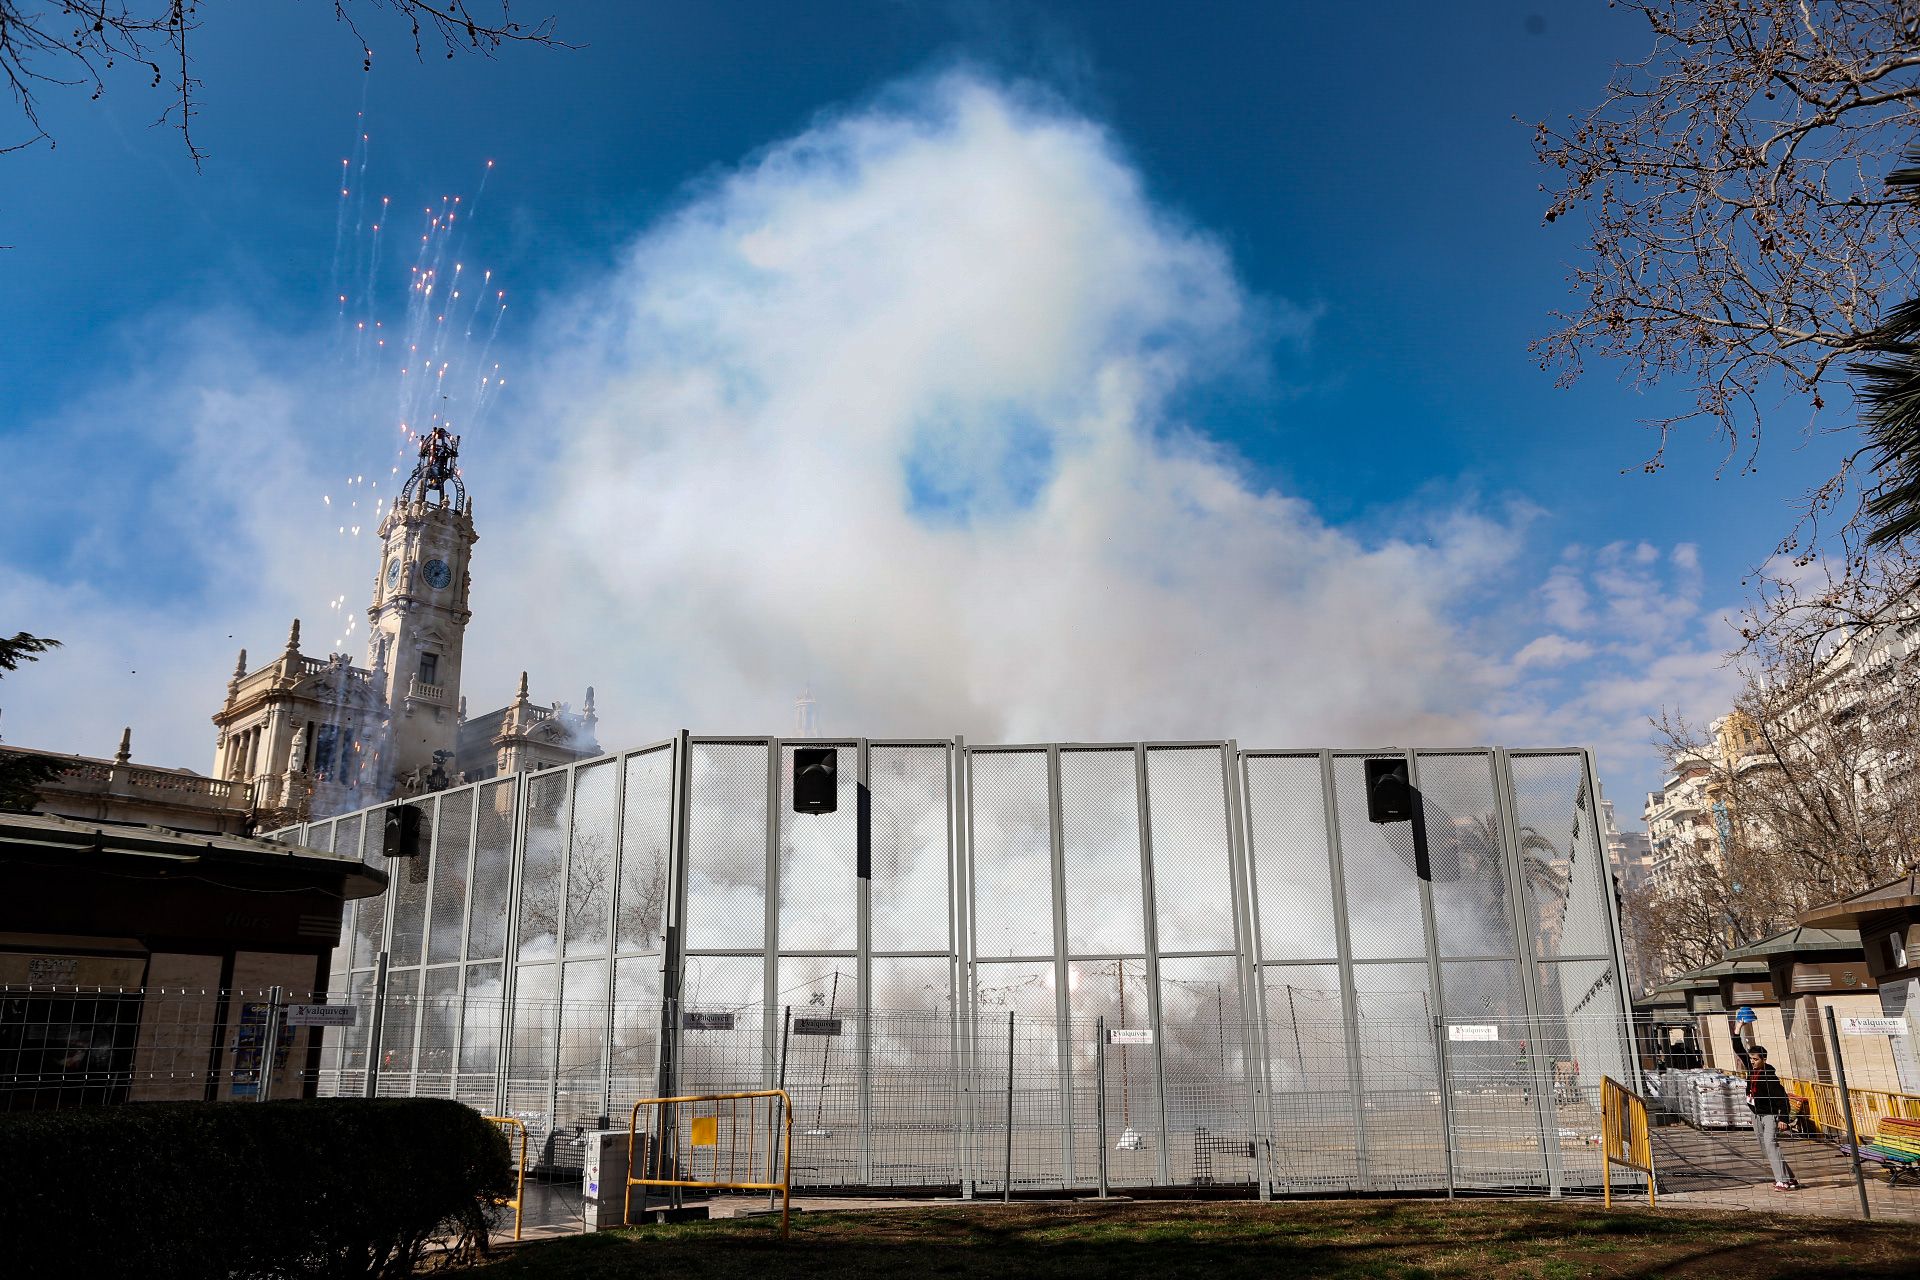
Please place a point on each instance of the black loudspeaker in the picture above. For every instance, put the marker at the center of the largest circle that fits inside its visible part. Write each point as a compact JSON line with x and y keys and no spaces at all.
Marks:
{"x":1389,"y":793}
{"x":401,"y":836}
{"x":816,"y":779}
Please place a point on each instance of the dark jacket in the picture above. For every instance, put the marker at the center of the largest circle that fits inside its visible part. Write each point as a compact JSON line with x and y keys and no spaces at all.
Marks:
{"x":1766,"y":1096}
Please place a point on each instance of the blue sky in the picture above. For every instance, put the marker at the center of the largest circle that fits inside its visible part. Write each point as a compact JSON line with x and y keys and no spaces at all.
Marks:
{"x":1340,"y":264}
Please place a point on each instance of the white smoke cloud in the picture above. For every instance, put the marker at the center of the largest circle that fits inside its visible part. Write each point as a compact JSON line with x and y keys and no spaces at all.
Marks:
{"x":888,"y":412}
{"x":891,"y":411}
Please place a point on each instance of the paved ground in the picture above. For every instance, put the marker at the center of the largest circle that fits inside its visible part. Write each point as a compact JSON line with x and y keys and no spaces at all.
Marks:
{"x":1707,"y":1168}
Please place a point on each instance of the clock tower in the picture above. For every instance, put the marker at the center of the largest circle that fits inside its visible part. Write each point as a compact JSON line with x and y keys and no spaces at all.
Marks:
{"x":418,"y":618}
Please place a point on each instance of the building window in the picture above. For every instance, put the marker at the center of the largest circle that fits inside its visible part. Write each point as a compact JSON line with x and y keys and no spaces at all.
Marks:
{"x":429,"y":668}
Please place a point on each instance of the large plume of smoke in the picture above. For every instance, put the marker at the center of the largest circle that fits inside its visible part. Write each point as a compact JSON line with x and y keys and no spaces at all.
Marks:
{"x":891,"y":410}
{"x":894,"y":410}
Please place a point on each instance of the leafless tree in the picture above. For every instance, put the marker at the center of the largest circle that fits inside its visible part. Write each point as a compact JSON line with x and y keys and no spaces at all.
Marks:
{"x":1741,"y":238}
{"x":1810,"y":786}
{"x":48,"y":45}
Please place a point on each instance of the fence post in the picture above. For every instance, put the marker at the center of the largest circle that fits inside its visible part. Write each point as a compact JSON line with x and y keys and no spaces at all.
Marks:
{"x":269,"y":1045}
{"x":1446,"y":1094}
{"x":773,"y":1131}
{"x":377,"y":1023}
{"x":1846,"y":1107}
{"x":1100,"y":1094}
{"x":1006,"y":1185}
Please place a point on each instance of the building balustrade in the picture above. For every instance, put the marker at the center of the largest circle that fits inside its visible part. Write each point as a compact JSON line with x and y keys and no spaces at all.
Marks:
{"x":420,"y":691}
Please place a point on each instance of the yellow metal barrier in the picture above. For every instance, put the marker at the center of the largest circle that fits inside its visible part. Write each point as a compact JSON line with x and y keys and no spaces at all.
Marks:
{"x":519,"y":1171}
{"x":1820,"y":1103}
{"x":1624,"y":1135}
{"x":713,"y":1123}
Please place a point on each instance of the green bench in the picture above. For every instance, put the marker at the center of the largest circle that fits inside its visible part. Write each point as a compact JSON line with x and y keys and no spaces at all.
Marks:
{"x":1895,"y":1145}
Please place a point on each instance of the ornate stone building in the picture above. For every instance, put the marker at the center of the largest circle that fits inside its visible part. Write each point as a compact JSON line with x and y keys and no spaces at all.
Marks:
{"x":315,"y":736}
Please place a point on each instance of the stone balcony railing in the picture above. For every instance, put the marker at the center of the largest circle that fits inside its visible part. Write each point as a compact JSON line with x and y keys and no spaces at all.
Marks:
{"x":421,"y":692}
{"x":131,"y":781}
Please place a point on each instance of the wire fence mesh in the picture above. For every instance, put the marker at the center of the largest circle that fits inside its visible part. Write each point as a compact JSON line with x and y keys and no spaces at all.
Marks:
{"x":928,"y":1101}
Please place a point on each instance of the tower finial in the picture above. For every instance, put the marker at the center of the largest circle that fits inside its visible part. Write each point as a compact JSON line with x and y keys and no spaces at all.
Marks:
{"x":125,"y":753}
{"x":240,"y":668}
{"x":588,"y":707}
{"x":521,"y":694}
{"x":437,"y":470}
{"x":293,"y":637}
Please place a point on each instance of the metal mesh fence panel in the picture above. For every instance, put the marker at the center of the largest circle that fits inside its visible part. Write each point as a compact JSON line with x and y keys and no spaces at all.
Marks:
{"x":493,"y":857}
{"x":590,"y":870}
{"x":397,"y":1038}
{"x":533,"y":1042}
{"x":634,"y":1052}
{"x":1116,"y":991}
{"x":1100,"y":848}
{"x":646,"y":843}
{"x":1192,"y":874}
{"x":1560,"y":858}
{"x":452,"y":874}
{"x":1377,"y":865}
{"x":1025,"y":994}
{"x":482,"y":1036}
{"x":543,"y":848}
{"x":1210,"y":1123}
{"x":820,"y":1058}
{"x":1287,"y":839}
{"x":438,"y":1035}
{"x":1012,"y":853}
{"x":727,"y":846}
{"x":1312,"y":1142}
{"x":916,"y":1107}
{"x":1493,"y":1086}
{"x":1399,"y":1073}
{"x":1472,"y":909}
{"x":369,"y":925}
{"x":408,"y":889}
{"x":725,"y":1050}
{"x":580,"y":1079}
{"x":725,"y":982}
{"x":819,"y":905}
{"x":911,"y":847}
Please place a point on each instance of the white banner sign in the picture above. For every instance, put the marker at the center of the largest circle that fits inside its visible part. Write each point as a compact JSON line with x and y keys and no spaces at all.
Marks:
{"x":1474,"y":1031}
{"x":1121,"y":1035}
{"x":322,"y":1015}
{"x":1874,"y":1026}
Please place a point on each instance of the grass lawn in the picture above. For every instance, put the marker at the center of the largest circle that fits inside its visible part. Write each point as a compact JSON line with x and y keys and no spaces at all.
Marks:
{"x":1396,"y":1239}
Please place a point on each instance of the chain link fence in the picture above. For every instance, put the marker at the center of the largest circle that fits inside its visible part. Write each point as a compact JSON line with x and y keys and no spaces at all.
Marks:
{"x":908,"y":1099}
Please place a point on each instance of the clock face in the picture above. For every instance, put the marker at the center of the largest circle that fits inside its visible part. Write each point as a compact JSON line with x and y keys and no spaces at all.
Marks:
{"x":393,"y":574}
{"x":437,"y":574}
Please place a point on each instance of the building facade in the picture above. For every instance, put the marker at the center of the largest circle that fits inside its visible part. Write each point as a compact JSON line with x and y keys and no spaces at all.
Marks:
{"x":313,"y":736}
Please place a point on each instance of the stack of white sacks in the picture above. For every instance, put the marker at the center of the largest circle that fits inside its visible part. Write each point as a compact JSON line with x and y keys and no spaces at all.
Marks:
{"x":1707,"y":1099}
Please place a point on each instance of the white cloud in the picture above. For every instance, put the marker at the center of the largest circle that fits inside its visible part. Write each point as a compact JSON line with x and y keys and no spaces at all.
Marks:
{"x":1552,"y":651}
{"x":886,"y":411}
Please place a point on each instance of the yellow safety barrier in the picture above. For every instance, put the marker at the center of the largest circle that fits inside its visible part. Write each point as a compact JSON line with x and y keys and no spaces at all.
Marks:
{"x":721,"y":1128}
{"x":519,"y":1171}
{"x":1820,"y":1103}
{"x":1624,"y":1135}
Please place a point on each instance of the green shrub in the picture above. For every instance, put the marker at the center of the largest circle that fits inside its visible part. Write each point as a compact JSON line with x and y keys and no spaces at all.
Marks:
{"x":322,"y":1188}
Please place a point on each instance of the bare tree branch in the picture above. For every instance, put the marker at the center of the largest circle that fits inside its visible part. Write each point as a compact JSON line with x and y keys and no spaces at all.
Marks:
{"x":47,"y":45}
{"x":1739,"y":235}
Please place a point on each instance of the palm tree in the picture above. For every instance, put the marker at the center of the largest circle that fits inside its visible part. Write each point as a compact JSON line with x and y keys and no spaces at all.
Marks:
{"x":1892,"y":396}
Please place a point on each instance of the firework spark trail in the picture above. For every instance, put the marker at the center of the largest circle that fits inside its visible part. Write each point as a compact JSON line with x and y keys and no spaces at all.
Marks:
{"x":435,"y":333}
